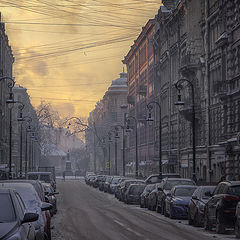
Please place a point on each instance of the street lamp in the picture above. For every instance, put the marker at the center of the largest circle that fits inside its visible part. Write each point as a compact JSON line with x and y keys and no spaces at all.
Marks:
{"x":21,"y":119}
{"x":149,"y":107}
{"x":109,"y":152}
{"x":136,"y":140}
{"x":10,"y":102}
{"x":123,"y":143}
{"x":178,"y":86}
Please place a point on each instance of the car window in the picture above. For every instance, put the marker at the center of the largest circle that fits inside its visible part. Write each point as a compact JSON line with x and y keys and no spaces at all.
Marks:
{"x":184,"y":192}
{"x":196,"y":192}
{"x":234,"y":190}
{"x":171,"y":183}
{"x":115,"y":180}
{"x":45,"y":178}
{"x":33,"y":176}
{"x":221,"y":188}
{"x":154,"y":179}
{"x":136,"y":189}
{"x":6,"y":208}
{"x":205,"y":190}
{"x":21,"y":205}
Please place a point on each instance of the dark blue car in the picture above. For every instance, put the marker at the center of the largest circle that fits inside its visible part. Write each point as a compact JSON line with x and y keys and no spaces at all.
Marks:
{"x":177,"y":201}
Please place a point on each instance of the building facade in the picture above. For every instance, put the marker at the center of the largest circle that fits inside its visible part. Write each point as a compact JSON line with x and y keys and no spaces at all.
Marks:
{"x":140,"y":66}
{"x":6,"y":62}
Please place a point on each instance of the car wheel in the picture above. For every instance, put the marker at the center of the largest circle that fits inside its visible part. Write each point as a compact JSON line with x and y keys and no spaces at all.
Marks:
{"x":207,"y":224}
{"x":141,"y":205}
{"x":190,"y":221}
{"x":165,"y":211}
{"x":170,"y":213}
{"x":196,"y":221}
{"x":158,"y":209}
{"x":162,"y":209}
{"x":237,"y":229}
{"x":220,"y":228}
{"x":149,"y":207}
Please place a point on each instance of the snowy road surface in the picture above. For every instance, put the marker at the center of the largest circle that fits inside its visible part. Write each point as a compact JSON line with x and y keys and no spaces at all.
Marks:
{"x":87,"y":214}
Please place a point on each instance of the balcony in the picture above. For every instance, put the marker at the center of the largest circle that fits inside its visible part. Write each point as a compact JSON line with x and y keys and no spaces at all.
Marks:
{"x":189,"y":65}
{"x":130,"y":100}
{"x":142,"y":90}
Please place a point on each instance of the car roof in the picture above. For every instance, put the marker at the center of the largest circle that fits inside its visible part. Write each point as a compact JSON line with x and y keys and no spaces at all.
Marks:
{"x":234,"y":183}
{"x":33,"y":173}
{"x":178,"y":179}
{"x":185,"y":186}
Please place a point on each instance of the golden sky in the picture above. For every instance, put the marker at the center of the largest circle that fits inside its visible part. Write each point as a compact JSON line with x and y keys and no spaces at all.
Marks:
{"x":67,"y":52}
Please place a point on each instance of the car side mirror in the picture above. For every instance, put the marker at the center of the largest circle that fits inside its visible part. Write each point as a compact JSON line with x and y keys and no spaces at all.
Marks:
{"x":29,"y":217}
{"x":46,"y":206}
{"x":169,"y":194}
{"x":160,"y":189}
{"x":195,"y":197}
{"x":55,"y":193}
{"x":208,"y":194}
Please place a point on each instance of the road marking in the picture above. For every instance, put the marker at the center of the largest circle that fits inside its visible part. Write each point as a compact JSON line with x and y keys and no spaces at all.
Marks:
{"x":129,"y":229}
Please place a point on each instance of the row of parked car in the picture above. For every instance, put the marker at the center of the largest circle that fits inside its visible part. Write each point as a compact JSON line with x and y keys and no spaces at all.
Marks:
{"x":203,"y":206}
{"x":26,"y":207}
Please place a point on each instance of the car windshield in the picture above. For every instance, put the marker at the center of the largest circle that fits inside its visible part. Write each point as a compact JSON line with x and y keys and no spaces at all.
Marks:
{"x":171,"y":183}
{"x":205,"y":190}
{"x":45,"y":178}
{"x":27,"y":193}
{"x":6,"y":209}
{"x":136,"y":190}
{"x":33,"y":176}
{"x":234,"y":190}
{"x":184,"y":192}
{"x":149,"y":188}
{"x":115,"y":180}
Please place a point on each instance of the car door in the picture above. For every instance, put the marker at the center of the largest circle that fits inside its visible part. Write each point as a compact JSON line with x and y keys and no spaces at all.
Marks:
{"x":26,"y":227}
{"x":213,"y":202}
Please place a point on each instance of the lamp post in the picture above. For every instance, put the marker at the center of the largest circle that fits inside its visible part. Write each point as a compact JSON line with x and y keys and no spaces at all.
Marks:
{"x":136,"y":140}
{"x":180,"y":103}
{"x":123,"y":143}
{"x":149,"y":107}
{"x":20,"y":119}
{"x":109,"y":152}
{"x":10,"y":102}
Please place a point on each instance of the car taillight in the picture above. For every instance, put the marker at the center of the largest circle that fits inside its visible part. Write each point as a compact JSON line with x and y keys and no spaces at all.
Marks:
{"x":231,"y":198}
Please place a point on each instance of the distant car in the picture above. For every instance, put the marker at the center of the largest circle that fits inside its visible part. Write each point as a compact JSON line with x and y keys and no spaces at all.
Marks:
{"x":91,"y":179}
{"x":50,"y":197}
{"x":34,"y":204}
{"x":165,"y":187}
{"x":88,"y":174}
{"x":101,"y":183}
{"x":106,"y":186}
{"x":156,"y":178}
{"x":114,"y":183}
{"x":15,"y":220}
{"x":197,"y":204}
{"x":152,"y":198}
{"x":177,"y":201}
{"x":125,"y":186}
{"x":133,"y":193}
{"x":145,"y":194}
{"x":117,"y":191}
{"x":46,"y":177}
{"x":220,"y":209}
{"x":97,"y":180}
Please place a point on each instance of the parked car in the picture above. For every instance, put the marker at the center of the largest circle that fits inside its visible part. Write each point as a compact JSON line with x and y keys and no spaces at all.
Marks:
{"x":106,"y":186}
{"x":220,"y":209}
{"x":15,"y":220}
{"x":165,"y":187}
{"x":156,"y":178}
{"x":237,"y":222}
{"x":101,"y":183}
{"x":91,"y":179}
{"x":152,"y":198}
{"x":197,"y":204}
{"x":145,"y":194}
{"x":97,"y":180}
{"x":88,"y":174}
{"x":114,"y":183}
{"x":39,"y":188}
{"x":118,"y":187}
{"x":177,"y":201}
{"x":133,"y":193}
{"x":34,"y":204}
{"x":50,"y":197}
{"x":125,"y":186}
{"x":46,"y":177}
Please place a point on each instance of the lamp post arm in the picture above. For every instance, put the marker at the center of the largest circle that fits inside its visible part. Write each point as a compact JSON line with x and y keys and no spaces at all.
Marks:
{"x":11,"y":83}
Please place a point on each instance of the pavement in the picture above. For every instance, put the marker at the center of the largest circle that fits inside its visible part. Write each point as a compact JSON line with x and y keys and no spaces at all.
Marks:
{"x":84,"y":213}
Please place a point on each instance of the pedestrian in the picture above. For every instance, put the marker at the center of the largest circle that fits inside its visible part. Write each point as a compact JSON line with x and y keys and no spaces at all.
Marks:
{"x":63,"y":175}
